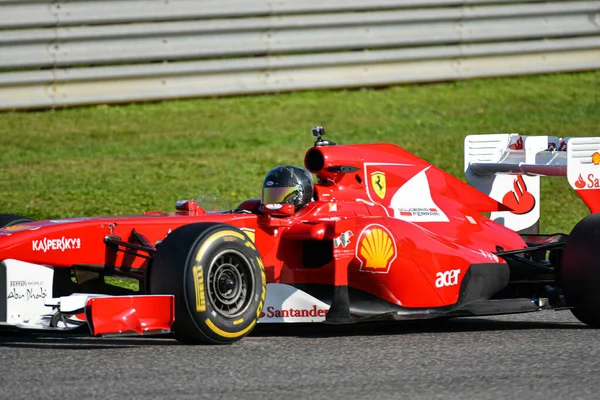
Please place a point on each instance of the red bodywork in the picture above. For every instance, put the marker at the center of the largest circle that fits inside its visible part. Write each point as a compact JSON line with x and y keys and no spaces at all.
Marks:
{"x":130,"y":314}
{"x":375,"y":249}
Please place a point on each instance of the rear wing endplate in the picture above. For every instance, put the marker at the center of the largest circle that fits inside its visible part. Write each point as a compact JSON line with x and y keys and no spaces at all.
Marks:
{"x":507,"y":167}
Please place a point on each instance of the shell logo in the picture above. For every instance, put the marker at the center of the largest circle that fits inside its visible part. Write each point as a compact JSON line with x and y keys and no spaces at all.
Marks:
{"x":596,"y":158}
{"x":376,"y":249}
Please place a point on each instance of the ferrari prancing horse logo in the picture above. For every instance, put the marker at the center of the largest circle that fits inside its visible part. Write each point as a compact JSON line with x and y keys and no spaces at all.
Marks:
{"x":378,"y":183}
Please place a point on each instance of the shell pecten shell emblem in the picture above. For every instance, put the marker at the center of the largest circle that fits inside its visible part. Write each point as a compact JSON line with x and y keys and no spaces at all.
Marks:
{"x":376,"y":249}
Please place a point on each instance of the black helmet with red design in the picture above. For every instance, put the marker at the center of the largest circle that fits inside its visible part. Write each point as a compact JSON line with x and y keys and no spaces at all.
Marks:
{"x":288,"y":185}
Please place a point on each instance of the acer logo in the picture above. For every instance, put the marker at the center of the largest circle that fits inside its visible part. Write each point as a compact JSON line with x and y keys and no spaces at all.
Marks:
{"x":448,"y":278}
{"x":519,"y":199}
{"x":591,"y":182}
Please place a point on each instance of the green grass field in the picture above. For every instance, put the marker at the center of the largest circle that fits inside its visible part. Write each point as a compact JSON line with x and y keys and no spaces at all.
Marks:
{"x":128,"y":159}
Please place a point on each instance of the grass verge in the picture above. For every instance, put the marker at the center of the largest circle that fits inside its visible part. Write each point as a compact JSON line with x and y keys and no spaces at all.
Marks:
{"x":128,"y":159}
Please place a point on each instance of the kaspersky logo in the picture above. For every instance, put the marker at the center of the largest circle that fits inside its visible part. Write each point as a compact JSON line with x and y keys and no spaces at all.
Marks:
{"x":376,"y":249}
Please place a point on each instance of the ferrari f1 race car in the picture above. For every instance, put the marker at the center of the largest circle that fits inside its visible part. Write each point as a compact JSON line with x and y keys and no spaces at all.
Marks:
{"x":380,"y":235}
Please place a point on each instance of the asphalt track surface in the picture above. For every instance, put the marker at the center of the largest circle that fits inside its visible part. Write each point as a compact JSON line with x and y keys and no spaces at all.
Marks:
{"x":547,"y":355}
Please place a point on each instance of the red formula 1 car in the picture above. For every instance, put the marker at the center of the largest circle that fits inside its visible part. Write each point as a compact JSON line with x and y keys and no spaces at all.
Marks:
{"x":382,"y":235}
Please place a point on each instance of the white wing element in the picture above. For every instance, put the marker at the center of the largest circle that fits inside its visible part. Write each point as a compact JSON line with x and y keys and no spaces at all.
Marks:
{"x":413,"y":202}
{"x":28,"y":288}
{"x":507,"y":167}
{"x":285,"y":303}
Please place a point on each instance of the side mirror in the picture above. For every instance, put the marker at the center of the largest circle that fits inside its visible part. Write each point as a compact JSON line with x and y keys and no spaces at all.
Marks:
{"x":279,"y":210}
{"x":189,"y":207}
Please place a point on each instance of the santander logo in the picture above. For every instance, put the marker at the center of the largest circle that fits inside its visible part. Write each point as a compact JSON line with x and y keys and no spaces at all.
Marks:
{"x":518,"y":145}
{"x":519,"y":199}
{"x":592,"y":182}
{"x":580,"y":183}
{"x":272,"y":312}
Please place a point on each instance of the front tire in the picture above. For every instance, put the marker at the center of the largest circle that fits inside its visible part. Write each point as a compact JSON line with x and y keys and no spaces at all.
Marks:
{"x":217,"y":278}
{"x":13,"y":219}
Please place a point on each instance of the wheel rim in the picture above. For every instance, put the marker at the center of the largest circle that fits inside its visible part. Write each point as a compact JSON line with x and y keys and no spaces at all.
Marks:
{"x":230,"y":283}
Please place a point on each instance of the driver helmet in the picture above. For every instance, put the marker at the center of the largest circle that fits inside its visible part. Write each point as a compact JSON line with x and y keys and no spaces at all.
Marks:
{"x":288,"y":185}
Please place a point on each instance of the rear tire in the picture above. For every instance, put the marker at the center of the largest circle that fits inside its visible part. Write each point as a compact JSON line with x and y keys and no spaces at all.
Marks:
{"x":13,"y":219}
{"x":588,"y":318}
{"x":217,"y":278}
{"x":579,"y":274}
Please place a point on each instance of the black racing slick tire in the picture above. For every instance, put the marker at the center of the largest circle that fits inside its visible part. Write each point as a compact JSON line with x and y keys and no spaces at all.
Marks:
{"x":579,"y":272}
{"x":12,"y":219}
{"x":218,"y":280}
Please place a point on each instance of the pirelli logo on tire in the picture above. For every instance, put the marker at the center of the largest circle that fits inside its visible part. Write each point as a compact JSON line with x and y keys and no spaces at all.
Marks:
{"x":198,"y":272}
{"x":264,"y":287}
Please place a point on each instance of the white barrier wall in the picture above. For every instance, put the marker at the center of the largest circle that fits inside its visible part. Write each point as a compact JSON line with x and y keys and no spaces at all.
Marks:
{"x":55,"y":53}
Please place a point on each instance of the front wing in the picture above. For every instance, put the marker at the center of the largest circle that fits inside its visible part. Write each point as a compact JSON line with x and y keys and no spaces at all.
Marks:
{"x":26,"y":305}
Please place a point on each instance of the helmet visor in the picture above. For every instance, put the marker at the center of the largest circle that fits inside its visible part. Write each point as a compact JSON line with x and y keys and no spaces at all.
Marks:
{"x":279,"y":195}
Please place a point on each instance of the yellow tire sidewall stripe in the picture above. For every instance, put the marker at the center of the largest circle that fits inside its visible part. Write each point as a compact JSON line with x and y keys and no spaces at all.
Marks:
{"x":225,"y":334}
{"x":215,"y":236}
{"x":209,"y":323}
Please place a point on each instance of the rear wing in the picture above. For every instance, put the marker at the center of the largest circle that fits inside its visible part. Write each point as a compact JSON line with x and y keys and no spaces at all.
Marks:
{"x":507,"y":167}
